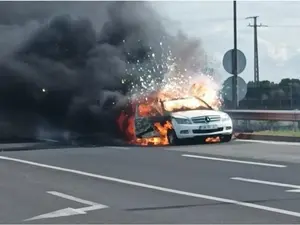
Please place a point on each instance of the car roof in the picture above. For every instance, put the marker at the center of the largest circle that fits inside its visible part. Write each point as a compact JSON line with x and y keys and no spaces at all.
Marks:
{"x":173,"y":99}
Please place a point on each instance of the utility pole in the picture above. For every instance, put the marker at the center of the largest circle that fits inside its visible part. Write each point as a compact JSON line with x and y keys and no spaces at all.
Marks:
{"x":256,"y":64}
{"x":291,"y":95}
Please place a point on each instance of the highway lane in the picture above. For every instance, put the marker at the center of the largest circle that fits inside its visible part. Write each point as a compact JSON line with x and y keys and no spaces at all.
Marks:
{"x":26,"y":196}
{"x":251,"y":149}
{"x":161,"y":167}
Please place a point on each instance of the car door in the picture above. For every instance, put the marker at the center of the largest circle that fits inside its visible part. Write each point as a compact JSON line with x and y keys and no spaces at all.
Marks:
{"x":144,"y":126}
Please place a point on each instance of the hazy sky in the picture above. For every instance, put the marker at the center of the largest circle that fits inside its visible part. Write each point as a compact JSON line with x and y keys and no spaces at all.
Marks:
{"x":210,"y":21}
{"x":279,"y":44}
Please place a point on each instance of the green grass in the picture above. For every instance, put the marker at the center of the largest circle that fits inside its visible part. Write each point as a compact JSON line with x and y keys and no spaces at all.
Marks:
{"x":280,"y":133}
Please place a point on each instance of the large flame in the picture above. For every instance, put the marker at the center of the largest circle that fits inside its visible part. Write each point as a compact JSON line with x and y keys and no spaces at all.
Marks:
{"x":174,"y":87}
{"x":126,"y":125}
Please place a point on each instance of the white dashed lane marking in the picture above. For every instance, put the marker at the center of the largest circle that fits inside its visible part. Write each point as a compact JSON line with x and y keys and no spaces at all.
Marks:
{"x":233,"y":161}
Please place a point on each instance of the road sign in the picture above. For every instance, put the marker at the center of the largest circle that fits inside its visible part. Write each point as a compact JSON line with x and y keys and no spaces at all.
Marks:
{"x":241,"y":88}
{"x":228,"y":60}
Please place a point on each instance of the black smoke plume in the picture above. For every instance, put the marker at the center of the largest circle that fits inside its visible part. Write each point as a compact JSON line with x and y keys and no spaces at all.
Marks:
{"x":67,"y":74}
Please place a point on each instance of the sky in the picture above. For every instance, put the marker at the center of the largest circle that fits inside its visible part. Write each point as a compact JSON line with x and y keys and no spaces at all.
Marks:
{"x":212,"y":22}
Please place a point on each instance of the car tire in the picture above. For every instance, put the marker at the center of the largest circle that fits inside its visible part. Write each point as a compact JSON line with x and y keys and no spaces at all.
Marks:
{"x":172,"y":137}
{"x":226,"y":138}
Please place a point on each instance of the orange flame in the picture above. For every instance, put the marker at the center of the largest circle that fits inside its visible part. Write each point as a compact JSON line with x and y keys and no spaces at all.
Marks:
{"x":126,"y":125}
{"x":162,"y":140}
{"x":212,"y":140}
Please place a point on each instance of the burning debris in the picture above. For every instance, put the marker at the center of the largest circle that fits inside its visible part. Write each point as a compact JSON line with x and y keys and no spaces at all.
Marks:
{"x":79,"y":78}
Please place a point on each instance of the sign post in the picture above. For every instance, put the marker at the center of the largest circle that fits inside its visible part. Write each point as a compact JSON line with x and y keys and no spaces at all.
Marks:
{"x":234,"y":58}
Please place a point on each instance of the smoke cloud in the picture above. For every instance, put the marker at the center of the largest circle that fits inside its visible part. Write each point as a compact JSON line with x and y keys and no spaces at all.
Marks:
{"x":66,"y":62}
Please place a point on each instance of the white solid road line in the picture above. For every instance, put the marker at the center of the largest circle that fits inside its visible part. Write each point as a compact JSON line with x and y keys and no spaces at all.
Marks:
{"x":233,"y":161}
{"x":270,"y":142}
{"x":118,"y":147}
{"x":294,"y":191}
{"x":297,"y":187}
{"x":158,"y":188}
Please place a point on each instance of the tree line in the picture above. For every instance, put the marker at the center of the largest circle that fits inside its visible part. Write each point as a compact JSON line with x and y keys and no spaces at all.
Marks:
{"x":284,"y":95}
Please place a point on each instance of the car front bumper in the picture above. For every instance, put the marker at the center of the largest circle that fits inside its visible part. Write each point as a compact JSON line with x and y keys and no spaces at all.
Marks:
{"x":192,"y":130}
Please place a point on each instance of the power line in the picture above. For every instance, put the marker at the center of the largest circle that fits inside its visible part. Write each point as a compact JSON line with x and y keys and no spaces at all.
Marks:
{"x":285,"y":26}
{"x":256,"y":63}
{"x":228,"y":19}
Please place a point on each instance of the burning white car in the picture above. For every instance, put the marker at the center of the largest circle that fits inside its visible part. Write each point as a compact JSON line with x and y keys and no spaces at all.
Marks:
{"x":187,"y":118}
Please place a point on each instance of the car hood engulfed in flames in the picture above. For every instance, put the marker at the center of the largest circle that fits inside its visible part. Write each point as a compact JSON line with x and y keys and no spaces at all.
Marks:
{"x":159,"y":106}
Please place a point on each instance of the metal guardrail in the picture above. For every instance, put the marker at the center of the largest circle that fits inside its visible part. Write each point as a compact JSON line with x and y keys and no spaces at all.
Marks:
{"x":275,"y":115}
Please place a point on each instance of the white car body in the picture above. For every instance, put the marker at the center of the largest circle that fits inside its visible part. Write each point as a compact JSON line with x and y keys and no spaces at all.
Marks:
{"x":195,"y":123}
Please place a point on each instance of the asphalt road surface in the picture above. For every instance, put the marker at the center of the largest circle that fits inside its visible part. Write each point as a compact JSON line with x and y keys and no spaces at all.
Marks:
{"x":237,"y":182}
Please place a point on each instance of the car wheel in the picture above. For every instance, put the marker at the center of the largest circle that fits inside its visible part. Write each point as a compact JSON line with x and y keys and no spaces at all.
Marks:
{"x":226,"y":138}
{"x":172,"y":138}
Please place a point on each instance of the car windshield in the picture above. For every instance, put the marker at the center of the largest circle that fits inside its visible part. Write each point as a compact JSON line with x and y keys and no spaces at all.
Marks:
{"x":186,"y":104}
